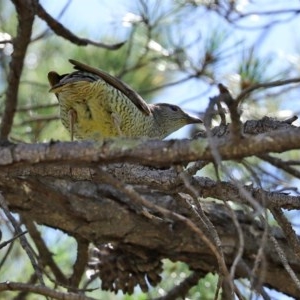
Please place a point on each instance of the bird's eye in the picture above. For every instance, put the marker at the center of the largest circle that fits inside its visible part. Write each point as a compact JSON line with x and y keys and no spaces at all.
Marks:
{"x":174,"y":107}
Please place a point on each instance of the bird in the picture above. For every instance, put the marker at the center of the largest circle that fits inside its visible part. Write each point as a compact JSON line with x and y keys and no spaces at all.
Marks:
{"x":96,"y":105}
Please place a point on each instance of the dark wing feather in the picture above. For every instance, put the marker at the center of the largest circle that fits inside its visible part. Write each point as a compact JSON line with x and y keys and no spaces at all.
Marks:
{"x":54,"y":78}
{"x":116,"y":83}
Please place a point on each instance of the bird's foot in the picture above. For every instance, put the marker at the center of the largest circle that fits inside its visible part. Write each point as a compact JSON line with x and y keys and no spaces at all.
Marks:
{"x":117,"y":122}
{"x":72,"y":114}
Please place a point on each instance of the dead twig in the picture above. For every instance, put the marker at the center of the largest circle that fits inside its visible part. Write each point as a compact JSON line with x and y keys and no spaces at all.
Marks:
{"x":23,"y":240}
{"x":3,"y":244}
{"x":41,"y":290}
{"x":60,"y":30}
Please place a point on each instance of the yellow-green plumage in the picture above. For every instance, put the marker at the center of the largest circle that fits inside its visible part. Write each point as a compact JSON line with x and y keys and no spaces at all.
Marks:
{"x":103,"y":110}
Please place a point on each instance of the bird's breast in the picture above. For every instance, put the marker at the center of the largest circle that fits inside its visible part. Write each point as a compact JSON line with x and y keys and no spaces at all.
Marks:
{"x":101,"y":111}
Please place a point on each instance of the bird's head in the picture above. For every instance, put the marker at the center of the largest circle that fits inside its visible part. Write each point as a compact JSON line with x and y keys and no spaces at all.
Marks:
{"x":171,"y":117}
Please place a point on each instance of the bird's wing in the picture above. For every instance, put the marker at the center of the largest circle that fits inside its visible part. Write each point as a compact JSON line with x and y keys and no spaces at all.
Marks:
{"x":136,"y":99}
{"x":57,"y":81}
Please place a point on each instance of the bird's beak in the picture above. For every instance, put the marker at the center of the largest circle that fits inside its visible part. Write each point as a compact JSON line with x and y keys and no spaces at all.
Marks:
{"x":193,"y":120}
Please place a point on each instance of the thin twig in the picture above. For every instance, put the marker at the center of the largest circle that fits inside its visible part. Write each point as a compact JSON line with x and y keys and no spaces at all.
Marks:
{"x":209,"y":228}
{"x":23,"y":240}
{"x":36,"y":107}
{"x":5,"y":256}
{"x":292,"y":11}
{"x":241,"y":246}
{"x":80,"y":263}
{"x":288,"y":230}
{"x":36,"y":119}
{"x":259,"y":289}
{"x":44,"y":254}
{"x":44,"y":33}
{"x":181,"y":290}
{"x":23,"y":294}
{"x":60,"y":30}
{"x":265,"y":85}
{"x":285,"y":262}
{"x":3,"y":244}
{"x":260,"y":262}
{"x":169,"y":84}
{"x":236,"y":125}
{"x":41,"y":290}
{"x":279,"y":163}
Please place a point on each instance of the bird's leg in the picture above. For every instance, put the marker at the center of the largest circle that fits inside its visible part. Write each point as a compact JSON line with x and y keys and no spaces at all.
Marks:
{"x":72,"y":114}
{"x":117,"y":122}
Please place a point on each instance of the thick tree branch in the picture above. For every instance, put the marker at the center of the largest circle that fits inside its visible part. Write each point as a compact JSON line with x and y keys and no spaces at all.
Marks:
{"x":164,"y":180}
{"x":152,"y":153}
{"x":93,"y":211}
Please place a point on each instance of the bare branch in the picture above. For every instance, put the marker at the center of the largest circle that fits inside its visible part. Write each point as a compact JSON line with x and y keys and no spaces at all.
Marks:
{"x":285,"y":262}
{"x":23,"y":240}
{"x":292,"y":11}
{"x":44,"y":253}
{"x":281,"y":164}
{"x":148,"y":152}
{"x":80,"y":263}
{"x":44,"y":33}
{"x":4,"y":244}
{"x":205,"y":224}
{"x":60,"y":30}
{"x":236,"y":124}
{"x":181,"y":290}
{"x":288,"y":230}
{"x":36,"y":107}
{"x":266,"y":85}
{"x":41,"y":290}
